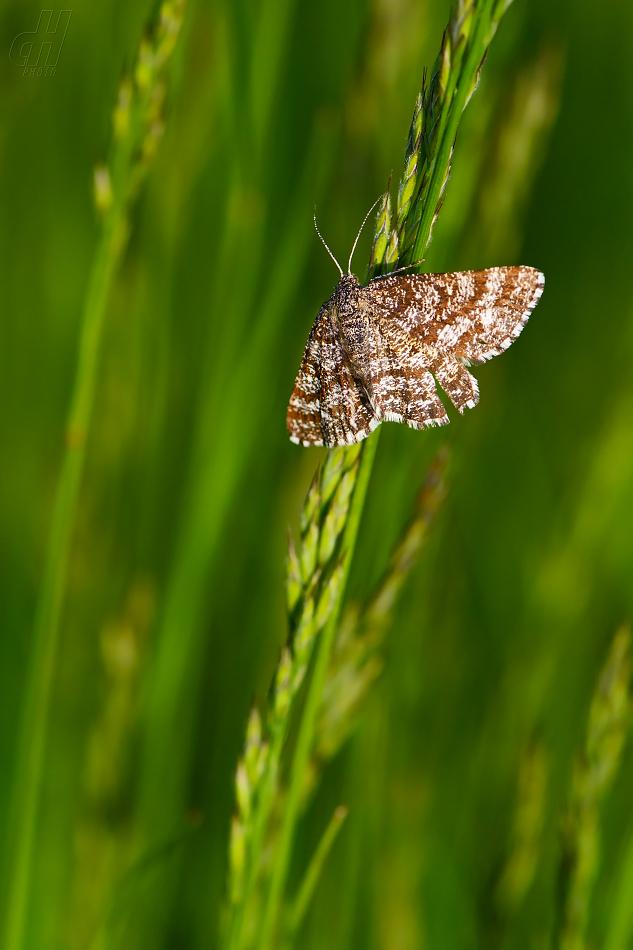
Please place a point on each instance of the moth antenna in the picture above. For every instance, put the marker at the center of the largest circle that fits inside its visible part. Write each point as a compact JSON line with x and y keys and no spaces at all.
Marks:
{"x":349,"y":266}
{"x":325,"y":245}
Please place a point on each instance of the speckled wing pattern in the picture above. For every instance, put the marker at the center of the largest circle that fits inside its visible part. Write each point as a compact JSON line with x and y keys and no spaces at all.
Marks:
{"x":401,"y":385}
{"x":328,"y":406}
{"x":415,"y":328}
{"x":450,"y":321}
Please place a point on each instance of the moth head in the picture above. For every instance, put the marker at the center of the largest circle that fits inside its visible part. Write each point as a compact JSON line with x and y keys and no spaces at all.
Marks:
{"x":348,"y":282}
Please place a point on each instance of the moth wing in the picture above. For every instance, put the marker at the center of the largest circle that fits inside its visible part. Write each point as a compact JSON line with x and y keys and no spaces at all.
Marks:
{"x":328,"y":406}
{"x":455,"y":319}
{"x":402,"y":388}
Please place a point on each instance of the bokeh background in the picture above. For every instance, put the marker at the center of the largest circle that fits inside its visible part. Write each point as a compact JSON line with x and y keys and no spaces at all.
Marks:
{"x":178,"y":551}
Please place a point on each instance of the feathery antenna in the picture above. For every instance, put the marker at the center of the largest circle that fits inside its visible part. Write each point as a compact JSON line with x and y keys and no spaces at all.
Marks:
{"x":325,"y":245}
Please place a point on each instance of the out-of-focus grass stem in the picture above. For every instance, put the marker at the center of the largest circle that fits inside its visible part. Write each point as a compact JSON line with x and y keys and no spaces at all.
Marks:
{"x":312,"y":875}
{"x":28,"y":779}
{"x":137,"y":129}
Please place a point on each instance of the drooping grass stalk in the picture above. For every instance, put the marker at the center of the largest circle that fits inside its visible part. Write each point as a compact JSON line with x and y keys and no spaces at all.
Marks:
{"x":594,"y":772}
{"x":427,"y":166}
{"x":138,"y":127}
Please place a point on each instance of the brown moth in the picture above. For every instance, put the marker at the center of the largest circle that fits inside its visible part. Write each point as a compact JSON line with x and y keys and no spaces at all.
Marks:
{"x":375,"y":353}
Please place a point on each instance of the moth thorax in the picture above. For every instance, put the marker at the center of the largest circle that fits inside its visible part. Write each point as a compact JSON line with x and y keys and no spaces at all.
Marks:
{"x":347,"y":295}
{"x":354,"y":339}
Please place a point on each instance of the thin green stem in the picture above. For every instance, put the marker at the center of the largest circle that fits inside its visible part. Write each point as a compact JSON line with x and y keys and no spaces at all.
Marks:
{"x":313,"y":873}
{"x":305,"y":738}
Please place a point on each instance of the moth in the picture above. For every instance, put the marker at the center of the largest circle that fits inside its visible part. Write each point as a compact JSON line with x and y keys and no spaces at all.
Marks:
{"x":375,"y":353}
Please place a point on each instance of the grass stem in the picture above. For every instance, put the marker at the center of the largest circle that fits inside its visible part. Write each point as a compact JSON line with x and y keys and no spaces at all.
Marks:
{"x":30,"y":768}
{"x":305,"y":738}
{"x":313,"y":873}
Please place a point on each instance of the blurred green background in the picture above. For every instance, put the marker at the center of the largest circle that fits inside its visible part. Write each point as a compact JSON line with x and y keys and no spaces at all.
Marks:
{"x":174,"y":614}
